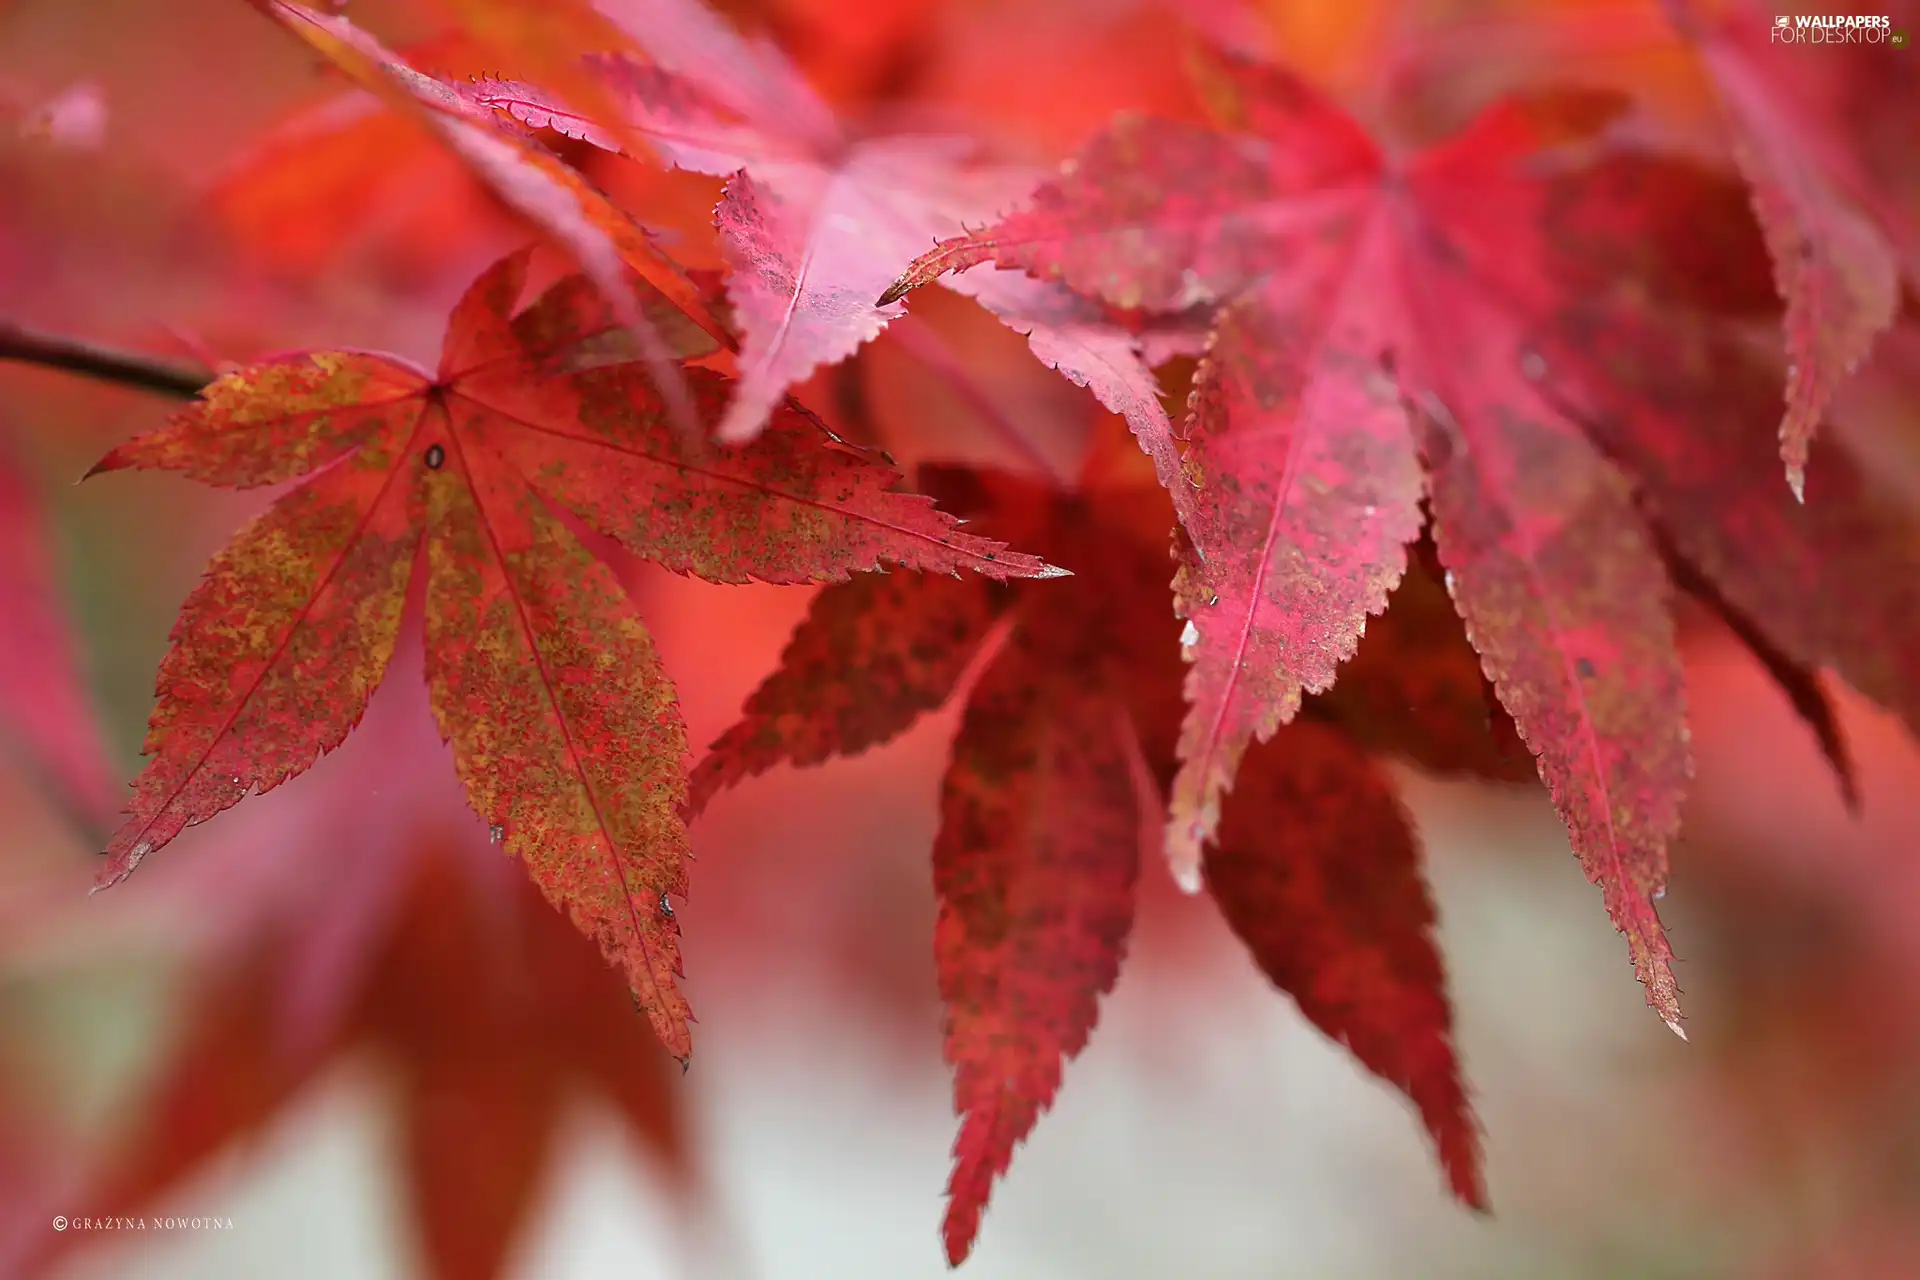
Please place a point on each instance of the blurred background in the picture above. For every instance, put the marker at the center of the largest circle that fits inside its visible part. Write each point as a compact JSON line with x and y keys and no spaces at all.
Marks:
{"x":337,"y":1018}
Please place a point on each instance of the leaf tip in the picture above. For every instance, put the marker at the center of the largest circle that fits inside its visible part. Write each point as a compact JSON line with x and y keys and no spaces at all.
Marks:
{"x":1183,"y":861}
{"x":1673,"y":1025}
{"x":957,"y":1233}
{"x":745,"y":419}
{"x":113,"y":460}
{"x":120,"y":866}
{"x":1053,"y":571}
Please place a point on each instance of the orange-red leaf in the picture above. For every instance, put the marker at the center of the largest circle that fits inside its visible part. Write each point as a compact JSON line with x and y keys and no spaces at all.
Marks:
{"x":308,"y":190}
{"x":1310,"y":492}
{"x":278,"y":649}
{"x":564,"y":728}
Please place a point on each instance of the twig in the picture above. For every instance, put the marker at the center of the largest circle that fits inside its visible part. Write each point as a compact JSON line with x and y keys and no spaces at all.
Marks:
{"x":107,"y":364}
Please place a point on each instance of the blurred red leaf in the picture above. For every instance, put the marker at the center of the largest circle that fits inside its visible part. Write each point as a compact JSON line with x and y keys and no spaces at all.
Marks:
{"x":346,"y":170}
{"x":1837,"y":240}
{"x":528,"y":179}
{"x":1797,"y":680}
{"x":44,"y":707}
{"x":818,"y":218}
{"x":490,"y":1013}
{"x":1833,"y":582}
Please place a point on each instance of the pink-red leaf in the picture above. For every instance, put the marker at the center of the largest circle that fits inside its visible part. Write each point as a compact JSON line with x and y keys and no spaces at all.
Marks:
{"x":1832,"y":583}
{"x":1309,"y":492}
{"x":1334,"y":264}
{"x":1566,"y":601}
{"x":817,"y":220}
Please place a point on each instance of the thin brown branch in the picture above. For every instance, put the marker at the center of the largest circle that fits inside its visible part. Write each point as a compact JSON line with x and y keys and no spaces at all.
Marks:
{"x":182,"y":381}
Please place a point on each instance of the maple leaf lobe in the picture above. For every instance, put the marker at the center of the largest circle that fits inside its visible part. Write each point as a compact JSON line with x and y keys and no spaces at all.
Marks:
{"x":1036,"y":903}
{"x":1317,"y":872}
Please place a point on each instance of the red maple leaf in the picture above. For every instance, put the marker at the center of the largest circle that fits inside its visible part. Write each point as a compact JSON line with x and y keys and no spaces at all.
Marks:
{"x":1468,"y":421}
{"x":564,"y":728}
{"x":1359,"y":362}
{"x":1055,"y":779}
{"x":1398,"y":327}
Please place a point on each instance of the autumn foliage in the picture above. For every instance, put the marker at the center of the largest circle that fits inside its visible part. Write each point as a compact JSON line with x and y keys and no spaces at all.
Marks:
{"x":1427,"y":393}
